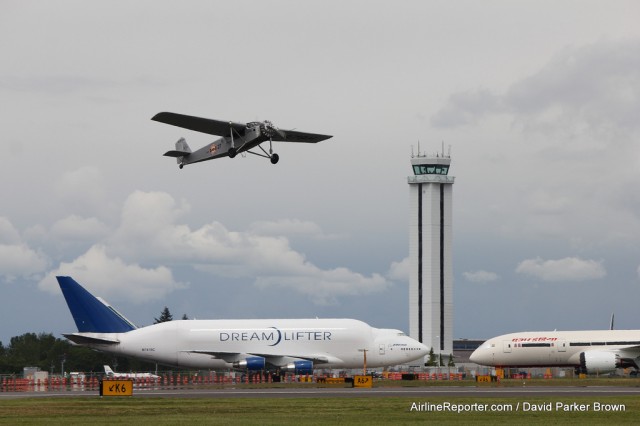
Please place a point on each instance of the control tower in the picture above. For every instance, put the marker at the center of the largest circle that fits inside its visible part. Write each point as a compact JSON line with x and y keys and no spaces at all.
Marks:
{"x":430,"y":259}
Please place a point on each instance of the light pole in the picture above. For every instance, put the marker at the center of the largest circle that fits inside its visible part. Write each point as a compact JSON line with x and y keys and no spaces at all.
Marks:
{"x":364,"y":368}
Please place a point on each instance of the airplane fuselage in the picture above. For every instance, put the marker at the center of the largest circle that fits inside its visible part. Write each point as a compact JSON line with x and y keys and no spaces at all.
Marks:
{"x":331,"y":343}
{"x":220,"y":147}
{"x":601,"y":350}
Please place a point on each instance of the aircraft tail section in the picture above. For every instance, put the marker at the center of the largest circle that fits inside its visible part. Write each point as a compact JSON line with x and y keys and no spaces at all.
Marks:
{"x":108,"y":371}
{"x":89,"y":313}
{"x":182,"y":149}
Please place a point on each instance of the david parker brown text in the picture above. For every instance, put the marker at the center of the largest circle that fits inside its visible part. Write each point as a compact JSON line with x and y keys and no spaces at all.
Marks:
{"x":519,"y":406}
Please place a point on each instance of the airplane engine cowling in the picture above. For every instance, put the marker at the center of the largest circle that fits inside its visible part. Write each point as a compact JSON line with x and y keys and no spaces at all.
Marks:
{"x":251,"y":363}
{"x":598,"y":362}
{"x":299,"y":367}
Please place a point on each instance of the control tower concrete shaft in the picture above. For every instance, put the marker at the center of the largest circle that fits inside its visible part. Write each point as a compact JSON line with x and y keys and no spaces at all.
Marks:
{"x":430,"y":254}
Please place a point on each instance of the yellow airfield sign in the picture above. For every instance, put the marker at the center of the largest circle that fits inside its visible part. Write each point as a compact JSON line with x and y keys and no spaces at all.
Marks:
{"x":362,"y":381}
{"x":116,"y":388}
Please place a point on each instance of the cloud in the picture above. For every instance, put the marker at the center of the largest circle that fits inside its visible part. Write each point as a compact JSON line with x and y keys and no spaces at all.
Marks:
{"x":8,"y":233}
{"x":20,"y":260}
{"x":399,"y":270}
{"x":567,"y":269}
{"x":150,"y":233}
{"x":586,"y":88}
{"x":84,"y":189}
{"x":467,"y":107}
{"x":480,"y":276}
{"x":291,"y":227}
{"x":76,"y":228}
{"x":17,"y":259}
{"x":107,"y":276}
{"x":325,"y":287}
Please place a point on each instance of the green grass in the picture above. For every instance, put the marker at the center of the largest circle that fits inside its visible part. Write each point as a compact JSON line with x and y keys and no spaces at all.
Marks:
{"x":284,"y":411}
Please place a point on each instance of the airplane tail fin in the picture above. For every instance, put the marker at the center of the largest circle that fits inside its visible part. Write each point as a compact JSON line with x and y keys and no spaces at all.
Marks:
{"x":108,"y":371}
{"x":182,"y":145}
{"x":182,"y":149}
{"x":89,"y":313}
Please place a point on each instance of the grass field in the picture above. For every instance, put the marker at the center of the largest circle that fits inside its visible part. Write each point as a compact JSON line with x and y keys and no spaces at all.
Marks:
{"x":70,"y":410}
{"x":296,"y":411}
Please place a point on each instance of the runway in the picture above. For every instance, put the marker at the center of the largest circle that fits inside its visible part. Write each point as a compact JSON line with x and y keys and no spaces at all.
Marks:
{"x":406,"y":392}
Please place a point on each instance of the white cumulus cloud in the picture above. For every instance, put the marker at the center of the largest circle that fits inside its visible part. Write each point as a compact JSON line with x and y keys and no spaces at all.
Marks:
{"x":151,"y":233}
{"x":76,"y":228}
{"x":291,"y":227}
{"x":107,"y":277}
{"x":399,"y":270}
{"x":567,"y":269}
{"x":17,"y":259}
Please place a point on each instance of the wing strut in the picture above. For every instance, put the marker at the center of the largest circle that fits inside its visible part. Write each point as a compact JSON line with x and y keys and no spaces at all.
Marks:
{"x":270,"y":155}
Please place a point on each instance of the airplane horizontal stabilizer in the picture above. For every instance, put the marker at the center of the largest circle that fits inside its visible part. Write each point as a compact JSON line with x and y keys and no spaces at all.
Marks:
{"x":176,"y":154}
{"x":83,"y":339}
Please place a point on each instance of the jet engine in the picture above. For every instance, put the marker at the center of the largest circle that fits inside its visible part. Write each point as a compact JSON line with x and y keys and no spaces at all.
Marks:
{"x":252,"y":363}
{"x":601,"y":362}
{"x":299,"y":367}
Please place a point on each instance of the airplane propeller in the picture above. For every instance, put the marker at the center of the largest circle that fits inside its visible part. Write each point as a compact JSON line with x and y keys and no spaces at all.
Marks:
{"x":267,"y":128}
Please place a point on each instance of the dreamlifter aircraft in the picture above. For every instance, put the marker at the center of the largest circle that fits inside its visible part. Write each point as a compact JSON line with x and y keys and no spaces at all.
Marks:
{"x":279,"y":344}
{"x":595,"y":351}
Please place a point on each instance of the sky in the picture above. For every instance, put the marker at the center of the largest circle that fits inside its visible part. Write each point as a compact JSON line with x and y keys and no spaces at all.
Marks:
{"x":538,"y":101}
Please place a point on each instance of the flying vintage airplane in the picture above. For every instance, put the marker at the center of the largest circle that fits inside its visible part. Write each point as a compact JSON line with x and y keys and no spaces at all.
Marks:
{"x":236,"y":138}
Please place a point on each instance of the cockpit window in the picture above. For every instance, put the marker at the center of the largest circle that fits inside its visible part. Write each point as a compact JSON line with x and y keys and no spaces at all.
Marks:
{"x":401,"y":334}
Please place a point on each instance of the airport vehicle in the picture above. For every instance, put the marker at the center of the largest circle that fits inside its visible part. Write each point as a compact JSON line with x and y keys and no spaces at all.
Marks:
{"x":296,"y":345}
{"x":594,"y":351}
{"x":112,"y":374}
{"x":236,"y":138}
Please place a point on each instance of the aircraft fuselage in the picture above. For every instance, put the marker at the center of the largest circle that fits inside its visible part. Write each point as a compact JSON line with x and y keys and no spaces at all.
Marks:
{"x":331,"y":343}
{"x":602,"y":350}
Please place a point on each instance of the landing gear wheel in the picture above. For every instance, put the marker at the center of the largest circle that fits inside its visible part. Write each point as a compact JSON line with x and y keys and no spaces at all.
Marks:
{"x":232,"y":152}
{"x":274,"y":158}
{"x":181,"y":166}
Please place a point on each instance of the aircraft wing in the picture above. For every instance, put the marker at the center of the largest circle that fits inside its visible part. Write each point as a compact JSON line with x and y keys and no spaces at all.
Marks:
{"x":295,"y":136}
{"x":629,"y":352}
{"x":271,"y":358}
{"x":203,"y":125}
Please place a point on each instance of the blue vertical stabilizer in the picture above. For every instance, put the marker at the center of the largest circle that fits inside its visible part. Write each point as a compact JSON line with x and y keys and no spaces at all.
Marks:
{"x":89,"y":313}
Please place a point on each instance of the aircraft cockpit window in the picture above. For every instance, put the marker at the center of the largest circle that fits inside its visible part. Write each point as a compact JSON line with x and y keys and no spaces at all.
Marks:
{"x":401,"y":334}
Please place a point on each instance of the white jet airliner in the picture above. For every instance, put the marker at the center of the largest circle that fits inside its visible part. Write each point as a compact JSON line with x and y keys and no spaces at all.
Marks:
{"x":296,"y":345}
{"x":112,"y":374}
{"x":596,"y":351}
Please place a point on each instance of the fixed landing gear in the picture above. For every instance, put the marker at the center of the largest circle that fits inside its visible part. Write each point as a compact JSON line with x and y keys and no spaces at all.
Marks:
{"x":272,"y":156}
{"x":181,"y":166}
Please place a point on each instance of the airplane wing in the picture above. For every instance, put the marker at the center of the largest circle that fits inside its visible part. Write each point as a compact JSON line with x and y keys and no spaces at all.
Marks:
{"x":295,"y":136}
{"x":203,"y":125}
{"x":629,"y":352}
{"x":271,"y":358}
{"x":223,"y":128}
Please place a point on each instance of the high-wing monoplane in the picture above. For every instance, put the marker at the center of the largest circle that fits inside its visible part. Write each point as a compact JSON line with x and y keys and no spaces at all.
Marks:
{"x":236,"y":138}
